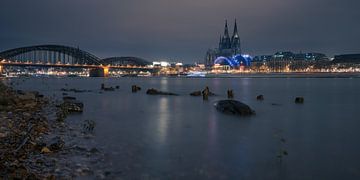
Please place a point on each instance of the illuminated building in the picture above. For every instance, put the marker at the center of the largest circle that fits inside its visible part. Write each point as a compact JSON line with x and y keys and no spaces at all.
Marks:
{"x":290,"y":56}
{"x":235,"y":61}
{"x":229,"y":48}
{"x":347,"y":58}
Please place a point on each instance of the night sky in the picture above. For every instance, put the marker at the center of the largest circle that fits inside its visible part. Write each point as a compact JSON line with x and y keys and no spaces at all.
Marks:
{"x":181,"y":29}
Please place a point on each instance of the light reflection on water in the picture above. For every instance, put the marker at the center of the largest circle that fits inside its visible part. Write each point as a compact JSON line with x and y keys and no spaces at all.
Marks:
{"x":182,"y":136}
{"x":163,"y":119}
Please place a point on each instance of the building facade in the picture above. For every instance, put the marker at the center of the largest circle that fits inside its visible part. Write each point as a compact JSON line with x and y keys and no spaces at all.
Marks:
{"x":229,"y":46}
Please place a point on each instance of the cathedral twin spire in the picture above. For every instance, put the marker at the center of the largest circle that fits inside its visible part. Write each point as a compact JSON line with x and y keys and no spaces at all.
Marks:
{"x":230,"y":43}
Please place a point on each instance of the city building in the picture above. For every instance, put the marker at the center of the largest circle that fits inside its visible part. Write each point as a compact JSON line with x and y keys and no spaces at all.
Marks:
{"x":229,"y":51}
{"x":290,"y":56}
{"x":347,"y":58}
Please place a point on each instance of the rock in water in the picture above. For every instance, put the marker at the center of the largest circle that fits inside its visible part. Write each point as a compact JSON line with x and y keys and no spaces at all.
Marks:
{"x":157,"y":92}
{"x":260,"y":97}
{"x":69,"y":98}
{"x":299,"y":100}
{"x":234,"y":107}
{"x":71,"y":105}
{"x":195,"y":93}
{"x":135,"y":88}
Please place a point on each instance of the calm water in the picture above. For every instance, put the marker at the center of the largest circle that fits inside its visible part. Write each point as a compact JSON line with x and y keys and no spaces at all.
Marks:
{"x":183,"y":137}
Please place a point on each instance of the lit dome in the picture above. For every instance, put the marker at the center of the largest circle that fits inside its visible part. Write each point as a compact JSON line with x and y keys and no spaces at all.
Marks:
{"x":234,"y":61}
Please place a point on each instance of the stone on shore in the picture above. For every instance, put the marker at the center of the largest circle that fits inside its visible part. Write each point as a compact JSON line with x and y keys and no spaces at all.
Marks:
{"x":72,"y":106}
{"x":234,"y":108}
{"x":27,"y":97}
{"x":56,"y":144}
{"x":157,"y":92}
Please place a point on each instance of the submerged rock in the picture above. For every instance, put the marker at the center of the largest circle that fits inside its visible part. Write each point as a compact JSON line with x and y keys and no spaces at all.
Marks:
{"x":299,"y":100}
{"x":234,"y":107}
{"x":109,"y":89}
{"x":135,"y":88}
{"x":69,"y":98}
{"x":89,"y":125}
{"x":74,"y":90}
{"x":195,"y":93}
{"x":260,"y":97}
{"x":157,"y":92}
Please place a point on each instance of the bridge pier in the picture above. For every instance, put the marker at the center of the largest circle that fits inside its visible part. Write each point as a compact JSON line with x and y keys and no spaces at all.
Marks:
{"x":1,"y":69}
{"x":99,"y":72}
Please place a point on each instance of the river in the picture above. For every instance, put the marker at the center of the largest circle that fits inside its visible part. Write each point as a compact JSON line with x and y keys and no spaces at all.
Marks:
{"x":184,"y":137}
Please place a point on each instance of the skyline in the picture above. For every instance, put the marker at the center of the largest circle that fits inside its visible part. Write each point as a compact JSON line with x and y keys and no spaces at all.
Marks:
{"x":181,"y":30}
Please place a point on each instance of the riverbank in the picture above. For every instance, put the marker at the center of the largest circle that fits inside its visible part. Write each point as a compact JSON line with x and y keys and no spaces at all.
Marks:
{"x":22,"y":126}
{"x":36,"y":142}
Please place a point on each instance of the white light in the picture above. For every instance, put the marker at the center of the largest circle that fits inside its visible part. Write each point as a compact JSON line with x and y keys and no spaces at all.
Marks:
{"x":164,"y":63}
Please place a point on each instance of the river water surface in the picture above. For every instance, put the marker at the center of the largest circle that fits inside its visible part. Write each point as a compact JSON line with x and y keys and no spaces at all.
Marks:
{"x":184,"y":137}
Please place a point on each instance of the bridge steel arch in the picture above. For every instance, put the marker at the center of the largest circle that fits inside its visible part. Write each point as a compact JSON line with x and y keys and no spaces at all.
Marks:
{"x":51,"y":53}
{"x":124,"y":61}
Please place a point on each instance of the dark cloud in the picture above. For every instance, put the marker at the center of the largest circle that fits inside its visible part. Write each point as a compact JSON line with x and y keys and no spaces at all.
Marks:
{"x":183,"y":29}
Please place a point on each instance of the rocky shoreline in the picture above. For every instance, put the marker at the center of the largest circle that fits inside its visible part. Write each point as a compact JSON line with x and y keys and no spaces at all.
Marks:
{"x":33,"y":133}
{"x":21,"y":127}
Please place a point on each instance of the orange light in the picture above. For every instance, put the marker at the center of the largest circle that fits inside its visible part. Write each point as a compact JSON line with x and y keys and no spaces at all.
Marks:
{"x":106,"y":71}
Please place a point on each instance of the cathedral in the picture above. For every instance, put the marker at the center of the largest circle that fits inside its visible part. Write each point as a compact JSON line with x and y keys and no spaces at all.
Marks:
{"x":228,"y":46}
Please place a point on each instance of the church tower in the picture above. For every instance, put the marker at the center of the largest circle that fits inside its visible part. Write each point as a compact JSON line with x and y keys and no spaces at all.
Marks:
{"x":235,"y":40}
{"x":226,"y":41}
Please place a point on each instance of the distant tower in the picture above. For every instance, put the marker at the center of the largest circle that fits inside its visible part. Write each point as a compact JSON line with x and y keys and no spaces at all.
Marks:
{"x":235,"y":41}
{"x":226,"y":41}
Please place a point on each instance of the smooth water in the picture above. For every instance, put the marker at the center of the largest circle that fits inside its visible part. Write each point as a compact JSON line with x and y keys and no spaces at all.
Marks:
{"x":184,"y":137}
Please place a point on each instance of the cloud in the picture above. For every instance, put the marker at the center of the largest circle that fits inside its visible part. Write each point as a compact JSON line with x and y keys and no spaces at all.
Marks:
{"x":181,"y":29}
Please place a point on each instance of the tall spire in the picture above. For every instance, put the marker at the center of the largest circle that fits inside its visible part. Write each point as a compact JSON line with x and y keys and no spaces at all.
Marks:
{"x":226,"y":32}
{"x":235,"y":40}
{"x":235,"y":34}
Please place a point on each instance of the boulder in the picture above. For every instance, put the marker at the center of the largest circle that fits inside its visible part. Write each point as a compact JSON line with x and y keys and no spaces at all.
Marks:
{"x":195,"y":93}
{"x":157,"y":92}
{"x":234,"y":107}
{"x":299,"y":100}
{"x":89,"y":125}
{"x":72,"y":106}
{"x":260,"y":97}
{"x":135,"y":88}
{"x":74,"y":90}
{"x":109,"y":89}
{"x":67,"y":98}
{"x":56,"y":144}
